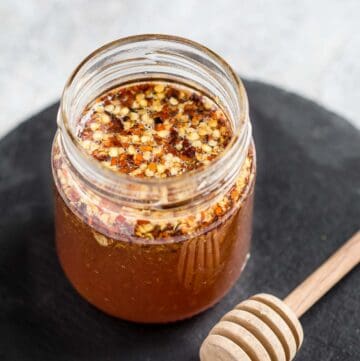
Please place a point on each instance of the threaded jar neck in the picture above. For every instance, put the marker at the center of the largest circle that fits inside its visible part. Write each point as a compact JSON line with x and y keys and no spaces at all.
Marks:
{"x":146,"y":58}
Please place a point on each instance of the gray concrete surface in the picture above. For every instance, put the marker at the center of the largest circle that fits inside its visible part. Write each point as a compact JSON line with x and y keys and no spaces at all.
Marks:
{"x":309,"y":47}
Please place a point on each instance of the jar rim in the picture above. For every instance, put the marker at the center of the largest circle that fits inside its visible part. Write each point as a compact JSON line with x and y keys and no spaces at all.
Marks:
{"x":202,"y":170}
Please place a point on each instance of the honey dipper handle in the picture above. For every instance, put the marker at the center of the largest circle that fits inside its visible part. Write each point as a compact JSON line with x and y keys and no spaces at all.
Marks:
{"x":325,"y":277}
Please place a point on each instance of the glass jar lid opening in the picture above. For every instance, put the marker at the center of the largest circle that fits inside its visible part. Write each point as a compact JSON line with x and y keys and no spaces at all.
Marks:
{"x":148,"y":57}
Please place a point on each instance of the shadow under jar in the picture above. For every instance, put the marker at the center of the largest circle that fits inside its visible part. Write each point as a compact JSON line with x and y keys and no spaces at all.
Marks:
{"x":153,"y":248}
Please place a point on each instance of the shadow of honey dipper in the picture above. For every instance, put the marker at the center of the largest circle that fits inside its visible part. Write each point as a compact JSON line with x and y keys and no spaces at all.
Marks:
{"x":265,"y":328}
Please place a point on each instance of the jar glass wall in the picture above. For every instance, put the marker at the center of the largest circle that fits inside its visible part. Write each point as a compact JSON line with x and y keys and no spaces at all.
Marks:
{"x":146,"y":249}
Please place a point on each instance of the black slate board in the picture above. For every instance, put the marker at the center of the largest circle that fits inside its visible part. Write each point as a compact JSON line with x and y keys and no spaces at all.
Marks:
{"x":307,"y":204}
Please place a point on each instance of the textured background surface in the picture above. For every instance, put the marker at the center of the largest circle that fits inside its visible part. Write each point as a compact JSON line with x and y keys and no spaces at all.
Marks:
{"x":311,"y":47}
{"x":307,"y":204}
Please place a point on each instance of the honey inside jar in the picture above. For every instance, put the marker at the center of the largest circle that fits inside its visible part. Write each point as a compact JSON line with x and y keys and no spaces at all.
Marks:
{"x":180,"y":237}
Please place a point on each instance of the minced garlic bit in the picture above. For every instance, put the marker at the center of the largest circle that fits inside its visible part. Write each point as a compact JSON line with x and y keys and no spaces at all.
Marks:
{"x":154,"y":129}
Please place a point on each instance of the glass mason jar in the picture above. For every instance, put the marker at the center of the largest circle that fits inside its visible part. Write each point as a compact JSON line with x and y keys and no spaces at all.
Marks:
{"x":102,"y":216}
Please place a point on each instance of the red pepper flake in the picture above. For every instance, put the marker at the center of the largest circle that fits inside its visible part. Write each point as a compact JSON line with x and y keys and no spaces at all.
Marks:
{"x":152,"y":167}
{"x":73,"y":196}
{"x":234,"y":194}
{"x":120,"y":219}
{"x":218,"y":211}
{"x":159,"y":127}
{"x":138,"y":159}
{"x":154,"y":122}
{"x":146,"y":148}
{"x":100,"y":155}
{"x":141,"y":222}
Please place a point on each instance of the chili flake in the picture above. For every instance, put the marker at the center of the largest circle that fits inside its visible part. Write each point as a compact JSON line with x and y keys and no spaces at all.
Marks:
{"x":154,"y":129}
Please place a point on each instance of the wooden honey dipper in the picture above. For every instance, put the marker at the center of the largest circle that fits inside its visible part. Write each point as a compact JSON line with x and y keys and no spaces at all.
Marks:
{"x":265,"y":328}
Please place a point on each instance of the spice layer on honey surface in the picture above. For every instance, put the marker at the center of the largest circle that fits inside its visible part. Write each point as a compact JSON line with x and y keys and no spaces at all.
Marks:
{"x":154,"y":129}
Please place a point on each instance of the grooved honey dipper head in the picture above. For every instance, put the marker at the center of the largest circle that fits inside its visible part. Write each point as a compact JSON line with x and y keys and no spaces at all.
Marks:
{"x":262,"y":328}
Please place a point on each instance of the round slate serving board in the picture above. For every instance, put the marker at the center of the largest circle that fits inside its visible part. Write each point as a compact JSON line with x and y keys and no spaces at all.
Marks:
{"x":307,"y":204}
